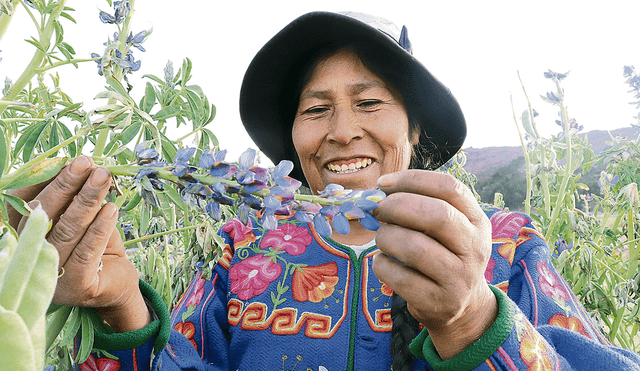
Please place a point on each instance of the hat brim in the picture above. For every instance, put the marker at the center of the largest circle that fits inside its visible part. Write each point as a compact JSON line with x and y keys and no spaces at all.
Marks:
{"x":267,"y":90}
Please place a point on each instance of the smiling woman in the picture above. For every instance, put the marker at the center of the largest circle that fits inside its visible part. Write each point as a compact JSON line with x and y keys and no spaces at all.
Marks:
{"x":476,"y":277}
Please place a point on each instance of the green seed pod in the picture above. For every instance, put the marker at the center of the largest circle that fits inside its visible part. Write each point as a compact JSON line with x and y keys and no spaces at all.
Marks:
{"x":22,"y":264}
{"x":16,"y":352}
{"x":8,"y":246}
{"x":135,"y":200}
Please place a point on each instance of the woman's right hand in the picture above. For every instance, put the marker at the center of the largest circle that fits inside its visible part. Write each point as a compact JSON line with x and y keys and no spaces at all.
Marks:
{"x":84,"y":233}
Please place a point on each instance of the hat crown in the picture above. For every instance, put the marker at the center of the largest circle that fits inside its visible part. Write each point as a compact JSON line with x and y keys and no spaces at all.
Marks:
{"x":385,"y":26}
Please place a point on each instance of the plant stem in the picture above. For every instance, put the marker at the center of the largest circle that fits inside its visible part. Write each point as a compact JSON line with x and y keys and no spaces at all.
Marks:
{"x":568,"y":170}
{"x":62,"y":63}
{"x":38,"y":56}
{"x":631,"y":270}
{"x":527,"y":199}
{"x":144,"y":238}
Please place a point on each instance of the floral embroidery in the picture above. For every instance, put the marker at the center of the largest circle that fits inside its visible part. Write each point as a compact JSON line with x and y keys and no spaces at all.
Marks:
{"x":314,"y":283}
{"x":572,"y":323}
{"x":252,"y":276}
{"x":99,"y":364}
{"x":386,"y":290}
{"x":188,"y":329}
{"x":488,"y":273}
{"x":197,"y":294}
{"x":533,"y":351}
{"x":240,"y":234}
{"x":549,"y":283}
{"x":504,"y":227}
{"x":288,"y":237}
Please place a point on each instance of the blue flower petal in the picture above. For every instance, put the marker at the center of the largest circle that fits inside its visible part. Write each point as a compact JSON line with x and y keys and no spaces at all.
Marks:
{"x":322,"y":225}
{"x":272,"y":204}
{"x":283,"y":169}
{"x":370,"y":222}
{"x":270,"y":222}
{"x":214,"y":210}
{"x":184,"y":154}
{"x":366,"y":204}
{"x":247,"y":159}
{"x":341,"y":224}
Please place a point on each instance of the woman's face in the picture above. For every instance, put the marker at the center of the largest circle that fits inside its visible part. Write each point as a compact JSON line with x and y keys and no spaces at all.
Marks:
{"x":350,"y":127}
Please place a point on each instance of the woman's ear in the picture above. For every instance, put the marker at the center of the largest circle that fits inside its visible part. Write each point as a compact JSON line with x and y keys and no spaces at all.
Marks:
{"x":415,"y":136}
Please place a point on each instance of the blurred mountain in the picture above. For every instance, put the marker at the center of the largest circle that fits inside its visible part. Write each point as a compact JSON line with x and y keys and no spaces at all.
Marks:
{"x":483,"y":162}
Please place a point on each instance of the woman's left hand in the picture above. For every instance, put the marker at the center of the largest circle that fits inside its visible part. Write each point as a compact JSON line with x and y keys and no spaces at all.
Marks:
{"x":434,"y":227}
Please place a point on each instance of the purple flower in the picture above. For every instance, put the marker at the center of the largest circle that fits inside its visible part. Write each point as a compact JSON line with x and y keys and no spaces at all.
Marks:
{"x":138,"y":39}
{"x":214,"y":162}
{"x":335,"y":192}
{"x":561,"y":245}
{"x":253,"y":178}
{"x":280,"y":173}
{"x":322,"y":226}
{"x":181,"y":166}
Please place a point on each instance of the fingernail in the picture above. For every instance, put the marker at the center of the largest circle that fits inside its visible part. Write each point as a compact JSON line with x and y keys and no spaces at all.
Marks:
{"x":388,"y":180}
{"x":80,"y":165}
{"x":99,"y":177}
{"x":109,"y":210}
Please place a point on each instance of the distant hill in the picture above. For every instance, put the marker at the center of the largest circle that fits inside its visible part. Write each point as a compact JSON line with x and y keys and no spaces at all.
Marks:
{"x":484,"y":161}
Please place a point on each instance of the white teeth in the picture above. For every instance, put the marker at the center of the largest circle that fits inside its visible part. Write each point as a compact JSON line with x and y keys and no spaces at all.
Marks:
{"x":352,"y":167}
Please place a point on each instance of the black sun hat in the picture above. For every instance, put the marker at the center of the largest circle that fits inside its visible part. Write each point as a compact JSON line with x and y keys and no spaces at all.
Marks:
{"x":268,"y":93}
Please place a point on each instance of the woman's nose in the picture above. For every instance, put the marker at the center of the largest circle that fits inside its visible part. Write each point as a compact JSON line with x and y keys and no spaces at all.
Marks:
{"x":345,"y":126}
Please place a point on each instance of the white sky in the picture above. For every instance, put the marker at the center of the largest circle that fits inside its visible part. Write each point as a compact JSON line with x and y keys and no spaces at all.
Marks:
{"x":474,"y":47}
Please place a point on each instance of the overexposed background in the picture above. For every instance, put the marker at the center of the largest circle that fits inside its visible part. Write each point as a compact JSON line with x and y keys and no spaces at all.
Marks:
{"x":475,"y":48}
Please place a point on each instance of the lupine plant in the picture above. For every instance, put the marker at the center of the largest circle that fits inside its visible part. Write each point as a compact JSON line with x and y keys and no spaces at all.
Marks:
{"x":592,"y":233}
{"x":172,"y":197}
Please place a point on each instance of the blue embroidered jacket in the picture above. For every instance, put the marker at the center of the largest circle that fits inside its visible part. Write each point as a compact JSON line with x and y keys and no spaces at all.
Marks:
{"x":289,"y":299}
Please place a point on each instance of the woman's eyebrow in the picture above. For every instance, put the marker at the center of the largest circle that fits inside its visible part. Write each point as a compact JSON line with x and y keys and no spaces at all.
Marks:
{"x":363,"y":86}
{"x":319,"y":94}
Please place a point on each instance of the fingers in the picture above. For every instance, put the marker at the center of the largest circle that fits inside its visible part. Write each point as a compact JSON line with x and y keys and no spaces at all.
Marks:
{"x":27,"y":194}
{"x":436,"y":185}
{"x":79,"y":215}
{"x":82,"y":261}
{"x":59,"y":193}
{"x":420,"y":252}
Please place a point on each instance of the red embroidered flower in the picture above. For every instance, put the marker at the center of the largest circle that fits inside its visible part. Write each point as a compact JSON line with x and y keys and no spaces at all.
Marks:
{"x":99,"y":364}
{"x":197,"y":294}
{"x":314,"y":283}
{"x":240,"y":234}
{"x":385,"y":289}
{"x":188,"y":329}
{"x":252,"y":276}
{"x":488,"y":273}
{"x":572,"y":323}
{"x":533,"y":351}
{"x":287,"y":237}
{"x":549,"y":283}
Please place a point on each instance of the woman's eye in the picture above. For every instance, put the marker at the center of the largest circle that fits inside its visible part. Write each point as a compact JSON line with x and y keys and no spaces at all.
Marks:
{"x":316,"y":110}
{"x":369,"y":104}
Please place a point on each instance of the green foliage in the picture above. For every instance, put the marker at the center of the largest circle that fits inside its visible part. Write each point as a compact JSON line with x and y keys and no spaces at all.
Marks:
{"x":592,"y":236}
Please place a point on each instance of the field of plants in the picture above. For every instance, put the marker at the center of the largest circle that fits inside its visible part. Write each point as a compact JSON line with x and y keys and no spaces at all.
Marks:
{"x":173,"y":198}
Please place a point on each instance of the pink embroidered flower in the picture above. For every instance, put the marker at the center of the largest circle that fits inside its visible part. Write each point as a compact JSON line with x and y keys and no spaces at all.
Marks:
{"x":198,"y":292}
{"x":488,"y":273}
{"x":252,"y":276}
{"x":99,"y":364}
{"x":507,"y":225}
{"x":549,"y":283}
{"x":287,"y":237}
{"x":240,"y":234}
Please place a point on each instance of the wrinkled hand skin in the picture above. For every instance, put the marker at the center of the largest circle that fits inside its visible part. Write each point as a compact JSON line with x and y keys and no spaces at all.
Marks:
{"x":433,"y":226}
{"x":84,"y":232}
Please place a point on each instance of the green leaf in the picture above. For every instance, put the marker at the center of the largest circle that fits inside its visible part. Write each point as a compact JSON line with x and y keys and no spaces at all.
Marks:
{"x":66,"y":134}
{"x":212,"y":137}
{"x":165,"y":113}
{"x":25,"y":136}
{"x":154,"y":78}
{"x":17,"y":203}
{"x":185,"y":71}
{"x":35,"y":43}
{"x":86,"y":343}
{"x":195,"y":106}
{"x":59,"y":31}
{"x":32,"y":141}
{"x":42,"y":171}
{"x":68,"y":47}
{"x":4,"y":152}
{"x":67,"y":16}
{"x":174,"y":196}
{"x":149,"y":98}
{"x":130,"y":132}
{"x":117,"y":86}
{"x":54,"y":139}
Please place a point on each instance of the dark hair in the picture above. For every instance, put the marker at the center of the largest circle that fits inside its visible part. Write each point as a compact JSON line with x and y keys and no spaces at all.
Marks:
{"x":404,"y":327}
